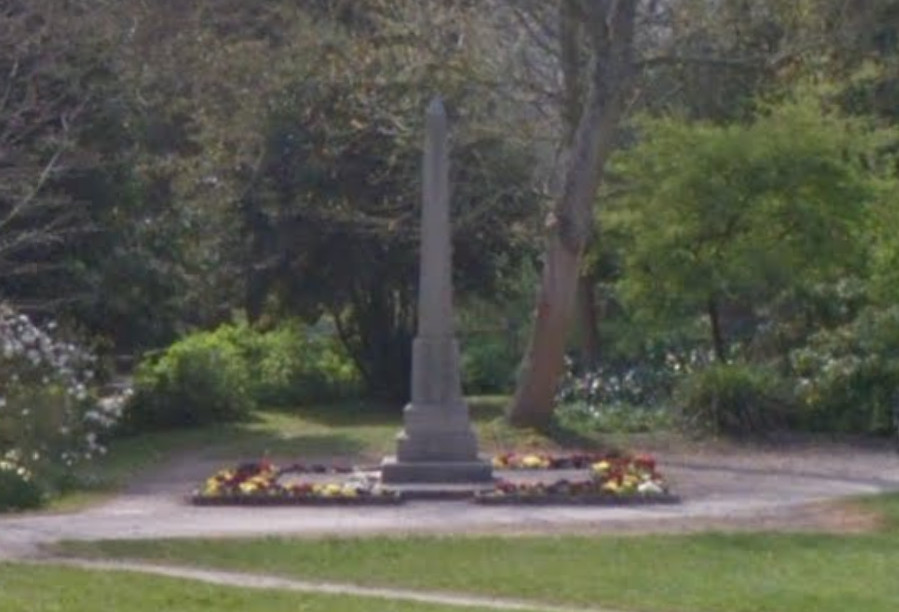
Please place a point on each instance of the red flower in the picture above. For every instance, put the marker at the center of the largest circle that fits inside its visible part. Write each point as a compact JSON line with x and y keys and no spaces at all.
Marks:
{"x":645,"y":462}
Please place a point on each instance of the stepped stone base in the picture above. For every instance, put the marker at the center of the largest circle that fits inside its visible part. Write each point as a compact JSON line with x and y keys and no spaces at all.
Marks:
{"x":394,"y":471}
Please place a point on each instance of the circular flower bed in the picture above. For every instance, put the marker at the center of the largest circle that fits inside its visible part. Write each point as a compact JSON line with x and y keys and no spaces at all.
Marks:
{"x":261,"y":484}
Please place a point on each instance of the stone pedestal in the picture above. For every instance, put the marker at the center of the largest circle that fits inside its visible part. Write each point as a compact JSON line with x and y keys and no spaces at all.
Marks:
{"x":437,"y":444}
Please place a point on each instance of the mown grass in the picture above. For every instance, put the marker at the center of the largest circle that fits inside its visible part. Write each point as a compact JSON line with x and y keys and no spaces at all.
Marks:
{"x":714,"y":572}
{"x":30,"y":588}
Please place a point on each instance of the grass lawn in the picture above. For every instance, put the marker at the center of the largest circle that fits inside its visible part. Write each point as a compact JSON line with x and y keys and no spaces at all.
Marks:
{"x":28,"y":588}
{"x":699,"y":573}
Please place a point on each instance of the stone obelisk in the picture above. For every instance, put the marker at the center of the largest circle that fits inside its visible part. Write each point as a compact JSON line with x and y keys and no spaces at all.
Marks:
{"x":437,"y":444}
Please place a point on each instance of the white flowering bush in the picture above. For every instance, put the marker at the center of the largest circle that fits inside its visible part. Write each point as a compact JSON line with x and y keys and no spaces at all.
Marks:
{"x":18,"y":489}
{"x":49,"y":413}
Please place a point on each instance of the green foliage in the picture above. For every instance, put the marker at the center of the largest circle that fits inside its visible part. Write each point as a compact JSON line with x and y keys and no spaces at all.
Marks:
{"x":733,"y":399}
{"x":52,"y":79}
{"x":712,"y":217}
{"x":131,"y":276}
{"x":333,"y":220}
{"x":18,"y":488}
{"x":489,"y":363}
{"x":492,"y":336}
{"x":847,"y":377}
{"x":217,"y":376}
{"x":49,"y":416}
{"x":632,"y":398}
{"x":586,"y":418}
{"x":199,"y":380}
{"x":296,"y":364}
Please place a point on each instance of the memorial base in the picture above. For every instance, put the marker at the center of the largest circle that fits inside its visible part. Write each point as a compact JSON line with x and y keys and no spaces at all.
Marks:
{"x":394,"y":471}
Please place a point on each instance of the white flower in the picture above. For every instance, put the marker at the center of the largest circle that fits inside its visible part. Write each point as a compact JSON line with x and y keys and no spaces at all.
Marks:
{"x":650,"y":488}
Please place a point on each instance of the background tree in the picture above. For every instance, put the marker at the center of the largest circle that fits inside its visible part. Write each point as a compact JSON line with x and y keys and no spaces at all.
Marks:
{"x":46,"y":95}
{"x":332,"y":220}
{"x":77,"y":241}
{"x":609,"y":28}
{"x":725,"y":219}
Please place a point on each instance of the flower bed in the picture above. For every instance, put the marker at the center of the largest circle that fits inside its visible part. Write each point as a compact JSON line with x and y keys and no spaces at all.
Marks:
{"x":546,"y":461}
{"x":260,"y":484}
{"x":611,"y":480}
{"x":614,"y":480}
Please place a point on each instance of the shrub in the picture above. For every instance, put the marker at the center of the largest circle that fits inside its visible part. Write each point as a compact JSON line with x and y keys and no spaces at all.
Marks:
{"x":222,"y":375}
{"x":48,"y":412}
{"x":296,"y":364}
{"x":18,"y":488}
{"x":734,"y":399}
{"x":631,"y":398}
{"x":648,"y":381}
{"x":848,"y":377}
{"x":489,"y":364}
{"x":618,"y":418}
{"x":199,"y":380}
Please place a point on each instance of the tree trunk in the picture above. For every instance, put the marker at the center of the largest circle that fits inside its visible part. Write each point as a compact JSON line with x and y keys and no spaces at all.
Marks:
{"x":609,"y":26}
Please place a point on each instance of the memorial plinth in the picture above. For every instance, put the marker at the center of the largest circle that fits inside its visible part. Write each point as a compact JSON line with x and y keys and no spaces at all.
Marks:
{"x":437,"y":444}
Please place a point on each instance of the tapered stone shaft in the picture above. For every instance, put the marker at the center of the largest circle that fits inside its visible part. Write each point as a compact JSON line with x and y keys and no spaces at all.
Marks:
{"x":435,"y":271}
{"x":437,"y":444}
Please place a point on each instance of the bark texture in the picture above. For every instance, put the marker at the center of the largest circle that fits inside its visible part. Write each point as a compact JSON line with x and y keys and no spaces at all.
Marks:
{"x":608,"y":27}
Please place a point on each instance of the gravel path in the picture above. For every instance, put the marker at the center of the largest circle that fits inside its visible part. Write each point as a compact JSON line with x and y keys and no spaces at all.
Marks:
{"x":721,"y":488}
{"x":725,"y":487}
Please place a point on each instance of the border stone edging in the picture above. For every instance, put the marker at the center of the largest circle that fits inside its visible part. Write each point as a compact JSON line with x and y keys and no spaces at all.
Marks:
{"x":576,"y":500}
{"x":275,"y":500}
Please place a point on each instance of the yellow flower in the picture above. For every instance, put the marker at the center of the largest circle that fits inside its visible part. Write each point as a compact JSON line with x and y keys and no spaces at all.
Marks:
{"x":611,"y":487}
{"x":602,"y":467}
{"x":212,"y":488}
{"x":534,"y":461}
{"x":331,"y":490}
{"x":629,"y":484}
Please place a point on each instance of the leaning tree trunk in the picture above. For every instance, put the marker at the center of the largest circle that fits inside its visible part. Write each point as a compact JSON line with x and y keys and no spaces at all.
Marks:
{"x":609,"y":26}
